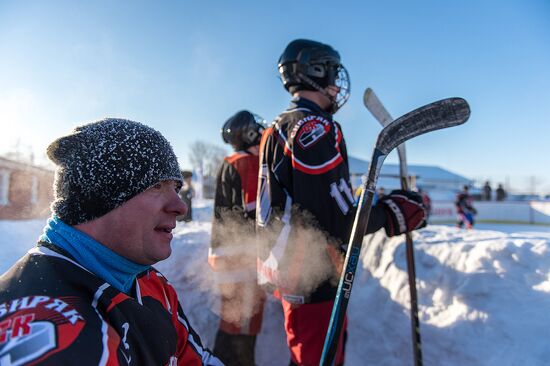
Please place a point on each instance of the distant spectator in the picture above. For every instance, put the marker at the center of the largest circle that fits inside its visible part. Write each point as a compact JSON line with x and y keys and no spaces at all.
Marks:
{"x":501,"y":193}
{"x":187,"y":193}
{"x":381,"y":192}
{"x":464,"y":208}
{"x":487,"y":191}
{"x":427,"y":201}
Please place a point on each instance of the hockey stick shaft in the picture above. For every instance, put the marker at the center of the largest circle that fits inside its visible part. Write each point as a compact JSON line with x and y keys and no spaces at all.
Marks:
{"x":377,"y":109}
{"x":351,"y":260}
{"x":442,"y":114}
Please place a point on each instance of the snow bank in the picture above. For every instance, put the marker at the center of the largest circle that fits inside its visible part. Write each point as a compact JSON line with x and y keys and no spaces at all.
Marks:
{"x":483,"y":299}
{"x":484,"y":295}
{"x":16,"y":238}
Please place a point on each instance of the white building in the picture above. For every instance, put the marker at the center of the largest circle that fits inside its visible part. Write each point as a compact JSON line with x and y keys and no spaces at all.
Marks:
{"x":442,"y":187}
{"x":439,"y":183}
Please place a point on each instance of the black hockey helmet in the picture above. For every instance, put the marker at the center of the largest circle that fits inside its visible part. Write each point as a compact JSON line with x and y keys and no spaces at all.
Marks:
{"x":186,"y":174}
{"x":311,"y":65}
{"x":243,"y":130}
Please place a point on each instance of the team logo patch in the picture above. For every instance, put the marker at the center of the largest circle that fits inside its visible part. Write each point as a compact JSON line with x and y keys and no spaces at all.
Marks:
{"x":33,"y":327}
{"x":310,"y":130}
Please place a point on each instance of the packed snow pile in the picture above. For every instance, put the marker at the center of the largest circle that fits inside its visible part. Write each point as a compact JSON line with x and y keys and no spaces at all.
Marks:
{"x":484,"y":295}
{"x":483,"y":299}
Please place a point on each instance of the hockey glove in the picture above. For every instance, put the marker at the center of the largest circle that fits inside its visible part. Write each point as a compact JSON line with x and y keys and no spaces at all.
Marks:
{"x":404,"y":212}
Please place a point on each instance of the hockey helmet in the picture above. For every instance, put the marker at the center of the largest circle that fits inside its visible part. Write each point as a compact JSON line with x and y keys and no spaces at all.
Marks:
{"x":311,"y":65}
{"x":186,"y":174}
{"x":243,"y":130}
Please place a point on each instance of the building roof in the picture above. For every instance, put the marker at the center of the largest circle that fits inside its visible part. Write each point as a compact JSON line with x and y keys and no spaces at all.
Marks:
{"x":433,"y":173}
{"x":21,"y":165}
{"x":441,"y":183}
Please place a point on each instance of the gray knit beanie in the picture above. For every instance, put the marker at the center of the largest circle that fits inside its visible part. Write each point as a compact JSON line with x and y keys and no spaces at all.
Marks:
{"x":103,"y":164}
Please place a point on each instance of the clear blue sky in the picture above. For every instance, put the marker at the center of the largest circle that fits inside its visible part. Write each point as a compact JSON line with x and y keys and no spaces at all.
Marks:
{"x":184,"y":67}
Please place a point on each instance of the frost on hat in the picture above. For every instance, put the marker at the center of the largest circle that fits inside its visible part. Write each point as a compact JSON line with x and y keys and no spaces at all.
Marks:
{"x":103,"y":164}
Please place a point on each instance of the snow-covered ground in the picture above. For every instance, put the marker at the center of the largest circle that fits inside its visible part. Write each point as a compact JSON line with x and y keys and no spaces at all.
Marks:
{"x":484,"y":294}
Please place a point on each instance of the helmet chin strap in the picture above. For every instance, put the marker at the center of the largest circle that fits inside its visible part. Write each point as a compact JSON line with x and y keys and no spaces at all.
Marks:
{"x":312,"y":83}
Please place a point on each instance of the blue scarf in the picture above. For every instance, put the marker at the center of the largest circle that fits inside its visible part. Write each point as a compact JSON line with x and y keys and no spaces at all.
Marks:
{"x":116,"y":270}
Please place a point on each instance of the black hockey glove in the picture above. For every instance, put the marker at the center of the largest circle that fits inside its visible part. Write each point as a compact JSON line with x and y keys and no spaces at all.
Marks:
{"x":404,"y":212}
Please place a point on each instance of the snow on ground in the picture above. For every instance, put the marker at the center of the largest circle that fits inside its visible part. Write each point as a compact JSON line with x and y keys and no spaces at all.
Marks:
{"x":484,"y":294}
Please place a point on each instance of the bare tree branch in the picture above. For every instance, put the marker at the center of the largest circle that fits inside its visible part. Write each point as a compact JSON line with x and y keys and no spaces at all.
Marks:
{"x":206,"y":158}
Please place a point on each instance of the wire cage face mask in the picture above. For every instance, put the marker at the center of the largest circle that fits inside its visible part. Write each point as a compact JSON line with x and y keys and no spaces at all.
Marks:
{"x":260,"y":120}
{"x":254,"y":132}
{"x":342,"y":82}
{"x":321,"y":76}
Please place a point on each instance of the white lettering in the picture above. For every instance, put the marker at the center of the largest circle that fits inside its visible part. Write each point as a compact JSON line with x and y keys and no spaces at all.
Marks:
{"x":57,"y":305}
{"x":72,"y":316}
{"x":337,"y":195}
{"x":37,"y":300}
{"x":19,"y":304}
{"x":29,"y":302}
{"x":344,"y":187}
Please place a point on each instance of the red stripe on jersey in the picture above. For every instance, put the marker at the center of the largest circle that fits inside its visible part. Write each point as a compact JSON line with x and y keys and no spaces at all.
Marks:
{"x":113,"y":341}
{"x":339,"y":137}
{"x":268,"y":131}
{"x":117,"y":300}
{"x":319,"y":169}
{"x":287,"y":151}
{"x":154,"y":286}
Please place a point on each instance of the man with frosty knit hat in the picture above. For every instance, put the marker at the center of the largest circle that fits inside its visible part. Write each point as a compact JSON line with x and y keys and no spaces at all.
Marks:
{"x":87,"y":294}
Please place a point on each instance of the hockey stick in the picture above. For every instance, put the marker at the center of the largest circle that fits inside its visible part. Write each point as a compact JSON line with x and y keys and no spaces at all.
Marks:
{"x":438,"y":115}
{"x":377,"y":109}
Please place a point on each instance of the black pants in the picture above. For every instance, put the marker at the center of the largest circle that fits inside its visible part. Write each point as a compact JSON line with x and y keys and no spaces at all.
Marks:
{"x":235,"y":349}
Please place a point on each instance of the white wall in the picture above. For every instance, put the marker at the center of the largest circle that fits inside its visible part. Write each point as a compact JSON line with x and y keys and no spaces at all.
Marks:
{"x":533,"y":212}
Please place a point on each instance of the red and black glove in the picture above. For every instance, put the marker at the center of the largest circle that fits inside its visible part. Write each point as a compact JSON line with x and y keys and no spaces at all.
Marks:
{"x":404,"y":212}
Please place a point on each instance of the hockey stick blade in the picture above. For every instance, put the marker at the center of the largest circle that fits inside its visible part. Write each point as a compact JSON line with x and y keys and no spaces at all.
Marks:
{"x":377,"y":109}
{"x":431,"y":117}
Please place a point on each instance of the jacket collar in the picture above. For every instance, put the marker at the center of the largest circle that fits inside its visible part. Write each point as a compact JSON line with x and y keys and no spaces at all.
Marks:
{"x":301,"y":102}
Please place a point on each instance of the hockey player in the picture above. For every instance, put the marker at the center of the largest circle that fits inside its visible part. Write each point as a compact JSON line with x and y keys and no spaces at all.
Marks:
{"x":87,"y":294}
{"x":465,"y":209}
{"x":233,"y":247}
{"x":305,"y":185}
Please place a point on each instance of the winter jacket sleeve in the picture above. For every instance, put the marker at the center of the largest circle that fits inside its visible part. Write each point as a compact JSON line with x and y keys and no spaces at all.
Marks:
{"x":191,"y":352}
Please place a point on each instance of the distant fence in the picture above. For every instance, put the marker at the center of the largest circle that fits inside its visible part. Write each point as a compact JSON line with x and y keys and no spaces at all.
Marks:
{"x":527,"y":212}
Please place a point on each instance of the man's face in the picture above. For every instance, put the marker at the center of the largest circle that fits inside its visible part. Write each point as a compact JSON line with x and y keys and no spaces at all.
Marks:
{"x":140,"y":229}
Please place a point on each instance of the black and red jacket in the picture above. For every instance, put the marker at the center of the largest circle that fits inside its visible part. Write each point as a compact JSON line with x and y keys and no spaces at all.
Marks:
{"x":236,"y":185}
{"x":55,"y":312}
{"x":304,"y":184}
